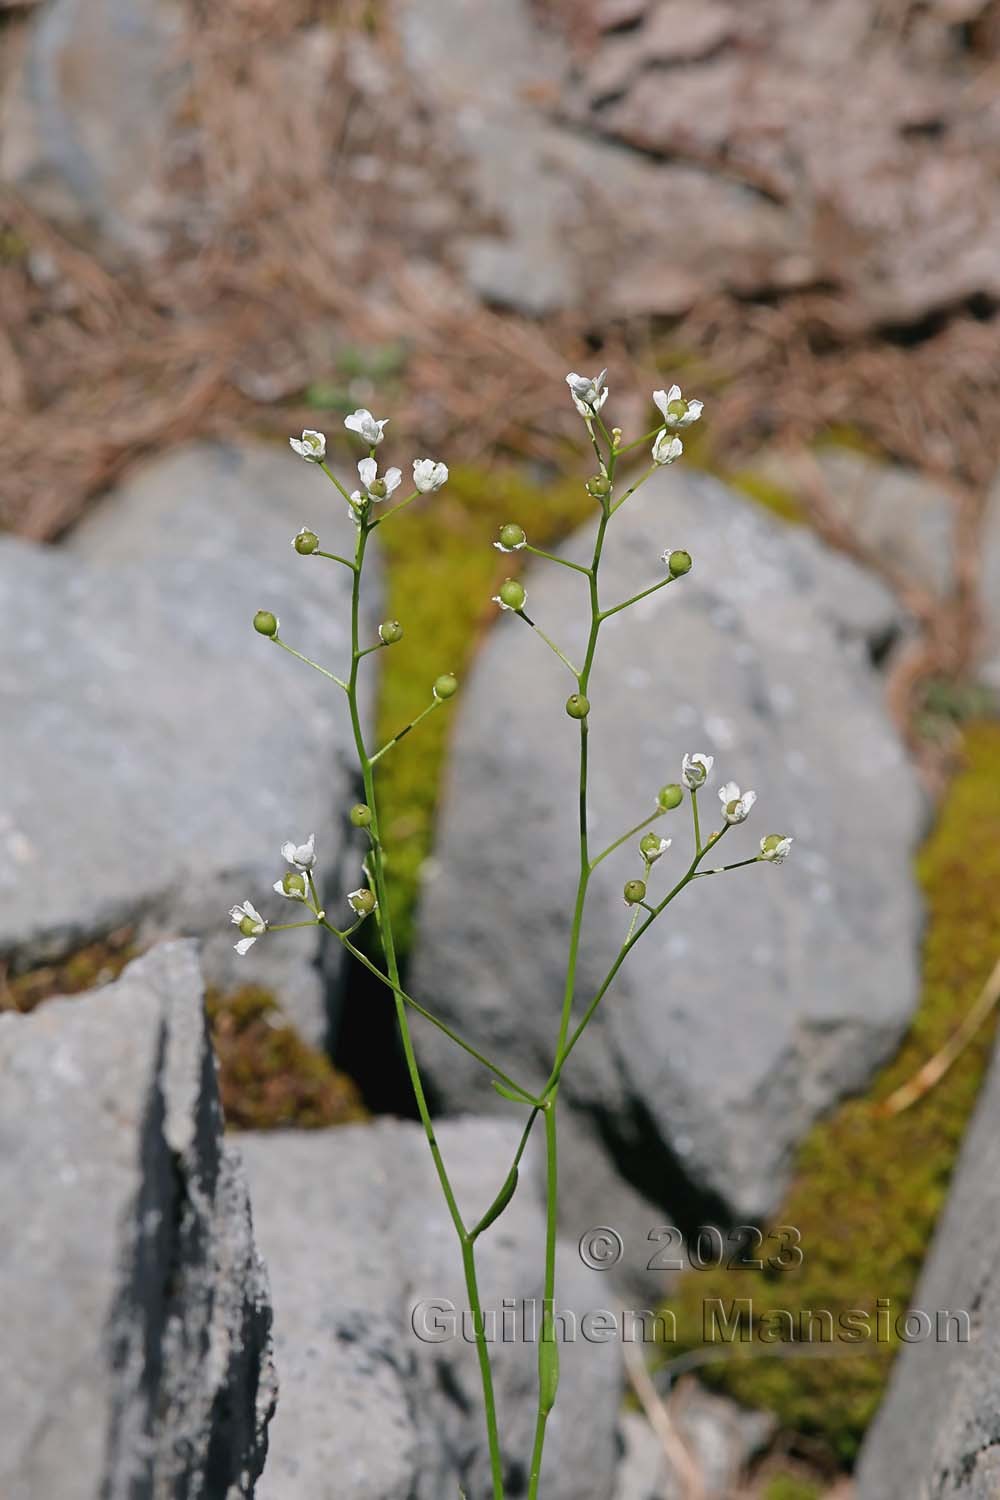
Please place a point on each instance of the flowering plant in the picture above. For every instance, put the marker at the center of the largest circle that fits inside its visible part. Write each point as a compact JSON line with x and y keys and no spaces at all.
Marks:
{"x":368,"y":509}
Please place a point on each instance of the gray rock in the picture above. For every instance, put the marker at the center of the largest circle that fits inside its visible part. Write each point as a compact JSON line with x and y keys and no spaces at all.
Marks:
{"x":718,"y":1436}
{"x":893,"y":512}
{"x":566,"y":207}
{"x":156,"y":751}
{"x":356,"y":1237}
{"x":937,"y":1433}
{"x":86,"y":130}
{"x":136,"y":1305}
{"x":764,"y":995}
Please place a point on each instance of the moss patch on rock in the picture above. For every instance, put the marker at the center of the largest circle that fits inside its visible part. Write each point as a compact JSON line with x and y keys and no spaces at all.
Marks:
{"x":268,"y":1076}
{"x":95,"y":964}
{"x":868,"y":1188}
{"x":441,"y":571}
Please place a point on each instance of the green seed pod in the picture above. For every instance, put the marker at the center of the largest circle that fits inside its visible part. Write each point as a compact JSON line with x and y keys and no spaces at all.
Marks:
{"x":577,"y":706}
{"x":669,"y":797}
{"x":512,"y":537}
{"x":679,"y":563}
{"x":363,"y":902}
{"x":306,"y":542}
{"x":512,"y":593}
{"x":635,"y":891}
{"x":649,"y":846}
{"x":599,"y":486}
{"x":265,"y":623}
{"x":446,"y":686}
{"x":360,"y":815}
{"x":248,"y":927}
{"x":378,"y":489}
{"x":293,"y":884}
{"x":389,"y":632}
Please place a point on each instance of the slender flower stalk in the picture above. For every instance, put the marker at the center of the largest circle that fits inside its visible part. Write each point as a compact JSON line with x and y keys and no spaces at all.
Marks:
{"x":370,"y":902}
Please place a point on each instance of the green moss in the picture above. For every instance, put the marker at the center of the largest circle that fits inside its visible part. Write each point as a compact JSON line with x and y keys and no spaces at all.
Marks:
{"x":268,"y":1076}
{"x":868,"y":1188}
{"x":790,"y":1487}
{"x":441,"y":573}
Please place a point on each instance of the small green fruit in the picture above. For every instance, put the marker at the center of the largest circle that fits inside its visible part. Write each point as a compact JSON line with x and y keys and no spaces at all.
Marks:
{"x":360,"y":815}
{"x":577,"y":706}
{"x":512,"y":536}
{"x":512,"y":593}
{"x":679,"y":563}
{"x":293,"y":885}
{"x":306,"y":542}
{"x":446,"y":686}
{"x":389,"y":632}
{"x":265,"y":623}
{"x":599,"y":486}
{"x":669,"y":797}
{"x":635,"y":891}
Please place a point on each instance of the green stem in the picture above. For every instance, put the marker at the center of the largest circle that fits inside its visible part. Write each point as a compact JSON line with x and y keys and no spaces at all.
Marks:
{"x":335,"y":557}
{"x":434,"y":703}
{"x":548,"y":1351}
{"x":421,"y":1010}
{"x":554,"y":557}
{"x":638,"y":485}
{"x":308,"y":661}
{"x":392,"y":966}
{"x":346,"y":494}
{"x":616,"y":608}
{"x":694,"y":812}
{"x":551,"y":644}
{"x":659,"y":813}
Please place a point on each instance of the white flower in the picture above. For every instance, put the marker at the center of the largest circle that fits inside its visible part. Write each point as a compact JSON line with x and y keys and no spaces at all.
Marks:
{"x":303,"y":855}
{"x":666,"y":449}
{"x":774,"y":847}
{"x":696,"y":769}
{"x":375,"y":488}
{"x":292,"y":887}
{"x":588,"y":395}
{"x":311,"y":445}
{"x":676,"y":411}
{"x":736,"y":805}
{"x":429,"y":475}
{"x":250,"y":922}
{"x":365,"y":425}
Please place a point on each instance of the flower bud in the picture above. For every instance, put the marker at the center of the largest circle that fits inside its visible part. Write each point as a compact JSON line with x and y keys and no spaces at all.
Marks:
{"x":265,"y":623}
{"x":445,"y":686}
{"x":305,"y":542}
{"x":577,"y":706}
{"x":360,"y":815}
{"x":512,"y":593}
{"x":634,"y":892}
{"x":389,"y":632}
{"x":512,"y":538}
{"x":679,"y":563}
{"x":362,"y":901}
{"x":669,"y":797}
{"x":599,"y":486}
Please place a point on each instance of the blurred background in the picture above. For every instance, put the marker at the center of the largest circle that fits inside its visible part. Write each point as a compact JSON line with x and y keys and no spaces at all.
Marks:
{"x":223,"y":221}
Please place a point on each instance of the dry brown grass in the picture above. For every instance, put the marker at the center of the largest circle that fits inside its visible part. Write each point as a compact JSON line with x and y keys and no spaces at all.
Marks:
{"x":305,"y":258}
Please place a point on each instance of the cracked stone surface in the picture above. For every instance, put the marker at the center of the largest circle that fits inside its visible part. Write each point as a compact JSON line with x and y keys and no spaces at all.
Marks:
{"x":156,"y":751}
{"x":937,"y":1434}
{"x":137,"y":1311}
{"x":355,"y":1233}
{"x":759,"y":656}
